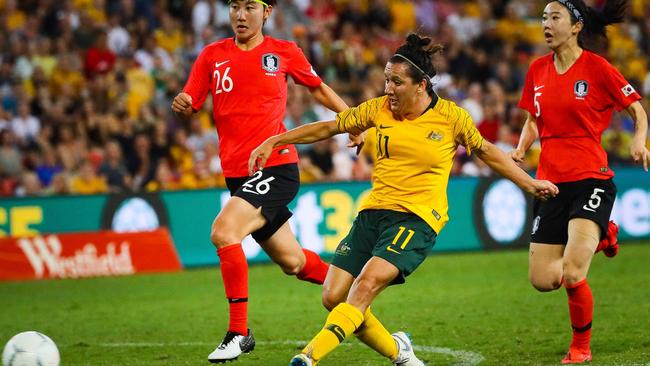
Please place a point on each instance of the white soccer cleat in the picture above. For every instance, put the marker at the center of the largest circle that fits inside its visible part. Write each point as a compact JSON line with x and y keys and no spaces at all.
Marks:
{"x":232,"y":346}
{"x":406,"y":354}
{"x":301,"y":360}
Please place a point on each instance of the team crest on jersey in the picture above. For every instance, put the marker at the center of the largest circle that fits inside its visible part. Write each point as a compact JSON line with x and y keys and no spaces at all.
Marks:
{"x":581,"y":88}
{"x":435,"y":135}
{"x":271,"y":62}
{"x":343,"y":249}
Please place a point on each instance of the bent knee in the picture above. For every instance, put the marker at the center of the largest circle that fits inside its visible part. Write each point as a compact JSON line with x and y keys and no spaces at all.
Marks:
{"x":291,"y":266}
{"x":546,"y":284}
{"x":574,"y":273}
{"x":330,"y":299}
{"x":223,"y":234}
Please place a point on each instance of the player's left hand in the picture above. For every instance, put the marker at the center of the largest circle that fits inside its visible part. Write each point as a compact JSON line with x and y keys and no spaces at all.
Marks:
{"x":543,"y":189}
{"x":259,"y":156}
{"x":640,"y":153}
{"x":357,"y":140}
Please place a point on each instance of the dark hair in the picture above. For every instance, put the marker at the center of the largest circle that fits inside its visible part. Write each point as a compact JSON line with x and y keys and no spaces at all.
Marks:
{"x":269,"y":2}
{"x":420,"y":51}
{"x":593,"y":34}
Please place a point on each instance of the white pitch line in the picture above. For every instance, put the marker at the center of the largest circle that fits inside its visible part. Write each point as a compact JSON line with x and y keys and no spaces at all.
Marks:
{"x":462,"y":358}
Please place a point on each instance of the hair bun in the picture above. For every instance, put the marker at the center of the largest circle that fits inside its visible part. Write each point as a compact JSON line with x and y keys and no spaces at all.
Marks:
{"x":414,"y":40}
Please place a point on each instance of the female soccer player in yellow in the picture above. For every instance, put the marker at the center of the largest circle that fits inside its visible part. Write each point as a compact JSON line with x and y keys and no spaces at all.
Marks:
{"x":417,"y":134}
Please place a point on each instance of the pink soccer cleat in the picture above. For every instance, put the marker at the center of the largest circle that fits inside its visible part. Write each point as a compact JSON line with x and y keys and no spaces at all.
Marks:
{"x":577,"y":356}
{"x":609,"y":245}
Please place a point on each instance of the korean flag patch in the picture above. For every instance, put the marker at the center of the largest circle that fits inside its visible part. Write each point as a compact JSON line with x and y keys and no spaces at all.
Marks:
{"x":628,"y":90}
{"x":271,"y":62}
{"x":581,"y":88}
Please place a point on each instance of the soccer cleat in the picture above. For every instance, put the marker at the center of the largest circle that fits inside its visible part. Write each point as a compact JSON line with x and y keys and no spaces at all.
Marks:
{"x":301,"y":360}
{"x":232,"y":346}
{"x":406,"y":354}
{"x":577,"y":356}
{"x":609,"y":245}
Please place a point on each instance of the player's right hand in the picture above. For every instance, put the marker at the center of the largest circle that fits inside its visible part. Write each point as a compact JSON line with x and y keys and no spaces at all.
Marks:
{"x":543,"y":189}
{"x":517,"y":155}
{"x":259,"y":156}
{"x":182,"y":104}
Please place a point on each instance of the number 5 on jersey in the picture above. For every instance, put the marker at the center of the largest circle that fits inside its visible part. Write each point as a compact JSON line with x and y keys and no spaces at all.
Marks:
{"x":224,"y":84}
{"x":594,"y":200}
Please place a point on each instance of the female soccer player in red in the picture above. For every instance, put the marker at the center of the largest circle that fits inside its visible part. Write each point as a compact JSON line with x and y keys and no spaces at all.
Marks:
{"x":570,"y":95}
{"x":247,"y":78}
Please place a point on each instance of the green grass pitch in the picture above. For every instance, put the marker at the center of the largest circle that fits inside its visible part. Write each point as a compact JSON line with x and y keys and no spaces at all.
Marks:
{"x":461,"y":309}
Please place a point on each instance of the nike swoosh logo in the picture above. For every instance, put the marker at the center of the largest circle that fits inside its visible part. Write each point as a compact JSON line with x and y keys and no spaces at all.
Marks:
{"x":538,"y":87}
{"x":382,"y":126}
{"x":217,"y":64}
{"x":393,"y":250}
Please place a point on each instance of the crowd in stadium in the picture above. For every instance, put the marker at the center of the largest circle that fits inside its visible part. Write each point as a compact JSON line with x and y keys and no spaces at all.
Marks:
{"x":86,"y":85}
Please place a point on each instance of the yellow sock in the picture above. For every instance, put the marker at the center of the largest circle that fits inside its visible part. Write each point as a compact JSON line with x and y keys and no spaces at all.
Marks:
{"x":374,"y":334}
{"x":343,"y":320}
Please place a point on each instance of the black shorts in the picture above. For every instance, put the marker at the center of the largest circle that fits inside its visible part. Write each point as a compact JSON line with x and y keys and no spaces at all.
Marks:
{"x":272,"y":189}
{"x":591,"y":199}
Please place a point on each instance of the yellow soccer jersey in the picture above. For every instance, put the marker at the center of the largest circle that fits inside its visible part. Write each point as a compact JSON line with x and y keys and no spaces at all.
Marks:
{"x":414,"y":157}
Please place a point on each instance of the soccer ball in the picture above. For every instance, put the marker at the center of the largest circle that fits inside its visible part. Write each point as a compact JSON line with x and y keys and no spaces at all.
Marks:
{"x":30,"y":349}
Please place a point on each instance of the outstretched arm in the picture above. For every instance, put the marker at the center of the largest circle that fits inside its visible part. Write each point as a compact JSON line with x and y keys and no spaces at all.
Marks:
{"x":502,"y":164}
{"x":638,"y":148}
{"x":305,"y":134}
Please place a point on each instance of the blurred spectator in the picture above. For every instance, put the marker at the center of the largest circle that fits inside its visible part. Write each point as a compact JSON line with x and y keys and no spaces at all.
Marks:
{"x":489,"y":126}
{"x":403,"y":16}
{"x":10,"y":157}
{"x":474,"y":102}
{"x":142,"y":166}
{"x":168,"y":36}
{"x":118,"y":37}
{"x":86,"y":181}
{"x":14,"y":18}
{"x":59,"y":185}
{"x":99,"y":58}
{"x":164,"y":180}
{"x":25,"y":126}
{"x":113,"y":168}
{"x":48,"y":167}
{"x":321,"y":156}
{"x":90,"y":82}
{"x":30,"y":185}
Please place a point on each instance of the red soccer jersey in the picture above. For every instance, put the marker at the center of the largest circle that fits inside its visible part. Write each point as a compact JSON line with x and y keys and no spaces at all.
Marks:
{"x":249,"y":94}
{"x":573,"y":110}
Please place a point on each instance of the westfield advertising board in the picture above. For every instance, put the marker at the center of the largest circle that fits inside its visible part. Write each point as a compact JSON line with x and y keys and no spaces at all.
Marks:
{"x":92,"y":254}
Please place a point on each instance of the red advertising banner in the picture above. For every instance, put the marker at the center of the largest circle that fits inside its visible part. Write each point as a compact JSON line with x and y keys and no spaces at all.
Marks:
{"x":101,"y":253}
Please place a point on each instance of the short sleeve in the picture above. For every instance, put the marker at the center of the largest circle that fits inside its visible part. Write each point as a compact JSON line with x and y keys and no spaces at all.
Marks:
{"x":198,"y":83}
{"x":360,"y":118}
{"x":300,"y":69}
{"x":465,"y":133}
{"x":621,"y":92}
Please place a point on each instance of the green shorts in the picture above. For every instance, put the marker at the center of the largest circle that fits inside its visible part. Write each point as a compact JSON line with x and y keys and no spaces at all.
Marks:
{"x":401,"y":238}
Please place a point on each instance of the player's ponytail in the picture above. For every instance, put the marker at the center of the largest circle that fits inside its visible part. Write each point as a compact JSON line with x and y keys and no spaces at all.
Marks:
{"x":593,"y":36}
{"x":418,"y":54}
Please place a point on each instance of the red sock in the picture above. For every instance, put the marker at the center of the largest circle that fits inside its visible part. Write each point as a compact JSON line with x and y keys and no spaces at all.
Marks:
{"x":581,"y":309}
{"x":314,"y":270}
{"x":234,"y":271}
